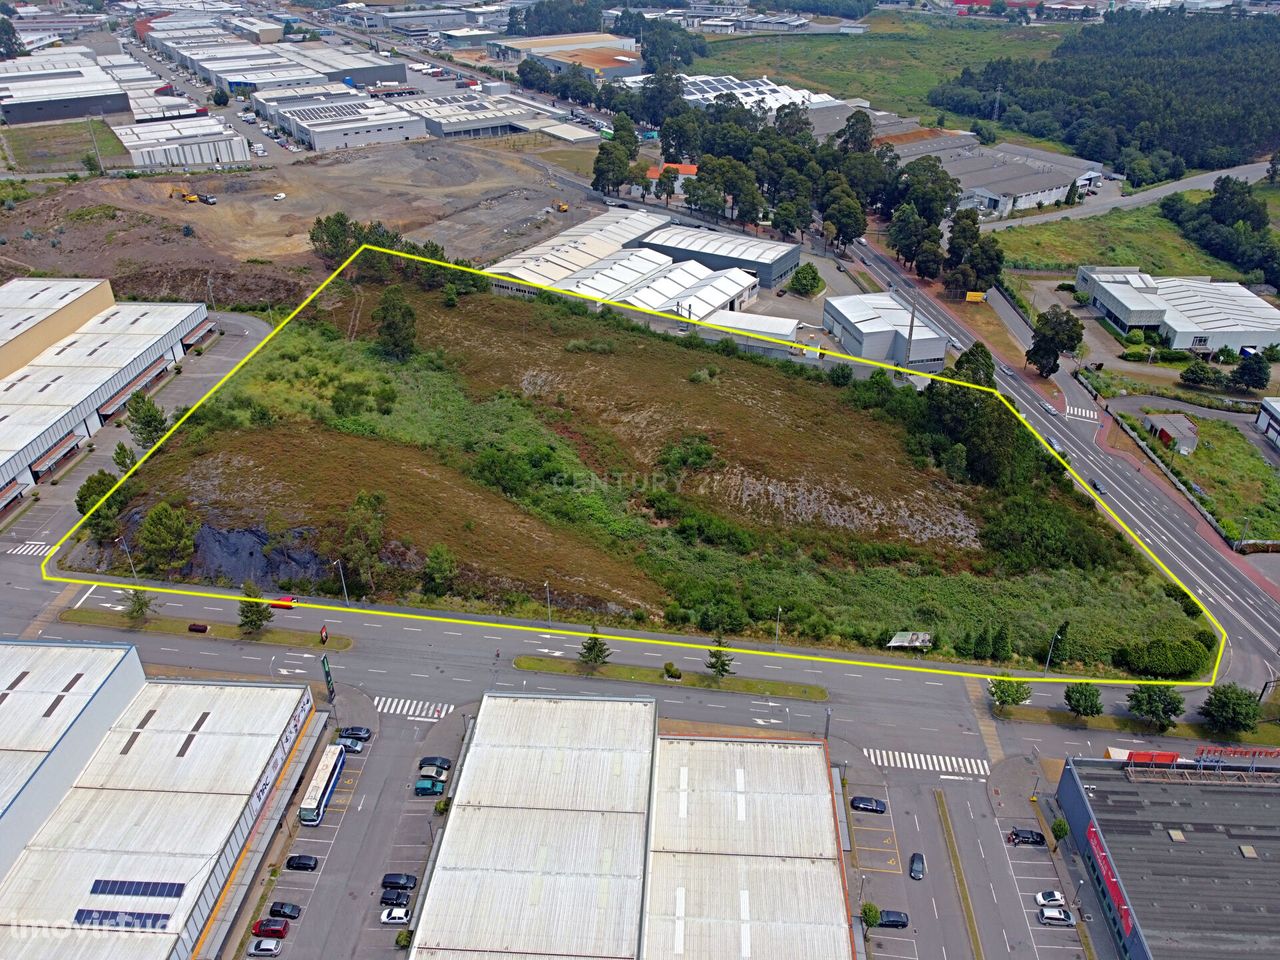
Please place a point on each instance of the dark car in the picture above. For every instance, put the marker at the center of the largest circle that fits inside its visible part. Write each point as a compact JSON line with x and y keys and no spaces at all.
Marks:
{"x":301,"y":861}
{"x":917,"y":866}
{"x":271,"y":927}
{"x":1033,"y":837}
{"x":394,"y":898}
{"x":868,"y":804}
{"x":1099,"y":486}
{"x":895,"y":919}
{"x":399,"y":881}
{"x":444,"y":763}
{"x":288,"y":911}
{"x":362,"y":734}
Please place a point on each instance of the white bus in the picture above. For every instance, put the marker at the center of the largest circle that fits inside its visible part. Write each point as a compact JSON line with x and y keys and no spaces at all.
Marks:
{"x":320,"y":790}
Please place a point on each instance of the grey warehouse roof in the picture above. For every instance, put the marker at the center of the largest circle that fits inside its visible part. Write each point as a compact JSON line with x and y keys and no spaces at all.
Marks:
{"x":1201,"y":898}
{"x":732,"y":245}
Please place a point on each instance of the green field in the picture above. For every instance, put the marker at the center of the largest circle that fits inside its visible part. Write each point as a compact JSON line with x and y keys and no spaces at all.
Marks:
{"x":1237,"y":485}
{"x":1139,"y":236}
{"x":894,"y":66}
{"x":60,"y":146}
{"x":1271,"y":194}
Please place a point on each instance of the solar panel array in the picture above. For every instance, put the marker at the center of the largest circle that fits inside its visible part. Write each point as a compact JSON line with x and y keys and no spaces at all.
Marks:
{"x":138,"y":888}
{"x":122,"y":919}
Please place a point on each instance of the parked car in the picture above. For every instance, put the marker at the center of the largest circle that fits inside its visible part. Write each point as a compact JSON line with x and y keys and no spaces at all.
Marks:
{"x":351,"y":746}
{"x":868,"y":804}
{"x":395,"y":916}
{"x":394,"y":898}
{"x":272,"y":927}
{"x":278,"y":196}
{"x":282,"y":603}
{"x":1057,"y":447}
{"x":917,"y":866}
{"x":1031,"y":837}
{"x":1056,"y":917}
{"x":356,"y":733}
{"x":433,"y":773}
{"x":428,"y":788}
{"x":399,"y":881}
{"x":895,"y":919}
{"x":301,"y":861}
{"x":289,"y":911}
{"x":264,"y":948}
{"x":444,"y":763}
{"x":1050,"y":898}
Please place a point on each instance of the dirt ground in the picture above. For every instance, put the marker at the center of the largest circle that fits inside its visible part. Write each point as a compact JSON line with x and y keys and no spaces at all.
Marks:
{"x":480,"y":204}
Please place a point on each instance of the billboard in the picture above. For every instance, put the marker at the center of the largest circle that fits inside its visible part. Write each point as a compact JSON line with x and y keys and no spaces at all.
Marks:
{"x":1109,"y":879}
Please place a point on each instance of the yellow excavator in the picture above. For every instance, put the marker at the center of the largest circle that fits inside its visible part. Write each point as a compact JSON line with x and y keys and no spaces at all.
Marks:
{"x":183,"y":193}
{"x":562,"y":206}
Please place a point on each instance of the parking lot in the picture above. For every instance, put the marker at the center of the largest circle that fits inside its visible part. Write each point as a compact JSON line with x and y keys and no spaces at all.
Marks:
{"x":1033,"y":871}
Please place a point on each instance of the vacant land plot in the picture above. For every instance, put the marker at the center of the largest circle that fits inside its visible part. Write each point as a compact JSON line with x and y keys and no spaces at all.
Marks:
{"x":639,"y":475}
{"x":61,"y":146}
{"x":1132,"y":237}
{"x":1271,"y":194}
{"x":1231,"y":479}
{"x":894,"y":66}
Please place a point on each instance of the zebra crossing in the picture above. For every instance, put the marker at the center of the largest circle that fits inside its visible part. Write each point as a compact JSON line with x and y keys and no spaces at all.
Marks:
{"x":927,"y":761}
{"x":32,"y":548}
{"x":1082,"y":413}
{"x":413,"y":709}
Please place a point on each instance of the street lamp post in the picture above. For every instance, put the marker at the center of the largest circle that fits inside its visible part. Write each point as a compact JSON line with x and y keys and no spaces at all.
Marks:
{"x":547,"y":585}
{"x":343,"y":577}
{"x":861,"y":883}
{"x":1076,"y":902}
{"x":125,"y":543}
{"x":777,"y":630}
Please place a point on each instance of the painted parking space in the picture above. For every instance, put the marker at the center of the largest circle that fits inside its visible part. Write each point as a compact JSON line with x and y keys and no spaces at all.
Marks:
{"x":1033,"y":872}
{"x":887,"y":947}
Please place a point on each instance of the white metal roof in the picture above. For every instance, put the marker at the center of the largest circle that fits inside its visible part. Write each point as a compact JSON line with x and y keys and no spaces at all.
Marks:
{"x":1200,"y":305}
{"x":24,"y":302}
{"x":569,"y":810}
{"x":782,"y":328}
{"x":611,"y":274}
{"x":156,"y":803}
{"x":141,"y":136}
{"x":709,"y":294}
{"x":578,"y":247}
{"x":880,"y":313}
{"x":734,"y":245}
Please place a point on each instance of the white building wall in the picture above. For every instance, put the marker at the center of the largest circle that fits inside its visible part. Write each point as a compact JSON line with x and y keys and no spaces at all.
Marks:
{"x":232,"y":149}
{"x":1268,"y":422}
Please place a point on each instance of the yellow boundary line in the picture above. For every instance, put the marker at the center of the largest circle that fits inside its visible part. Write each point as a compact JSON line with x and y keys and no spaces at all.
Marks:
{"x":53,"y":578}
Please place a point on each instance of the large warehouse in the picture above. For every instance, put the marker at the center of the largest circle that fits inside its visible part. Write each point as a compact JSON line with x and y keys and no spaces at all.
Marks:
{"x":879,"y":327}
{"x":1189,"y":313}
{"x":601,"y":836}
{"x":70,"y":358}
{"x":128,"y":807}
{"x":56,"y":85}
{"x":1184,"y":856}
{"x":176,"y":143}
{"x":770,"y":260}
{"x":338,"y":126}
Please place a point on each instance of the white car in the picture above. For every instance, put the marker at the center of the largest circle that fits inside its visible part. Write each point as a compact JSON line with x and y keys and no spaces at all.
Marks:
{"x":278,"y":196}
{"x":395,"y":916}
{"x":1056,"y":917}
{"x":1050,"y":898}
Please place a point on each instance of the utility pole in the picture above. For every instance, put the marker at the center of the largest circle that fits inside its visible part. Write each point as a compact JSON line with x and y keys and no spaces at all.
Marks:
{"x":547,"y":585}
{"x":911,"y":329}
{"x":345,"y":599}
{"x":125,"y":543}
{"x":826,"y":733}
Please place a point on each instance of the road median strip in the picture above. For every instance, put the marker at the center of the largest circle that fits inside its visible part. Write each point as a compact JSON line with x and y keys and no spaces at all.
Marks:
{"x":172,"y":626}
{"x":655,"y":675}
{"x":957,"y":870}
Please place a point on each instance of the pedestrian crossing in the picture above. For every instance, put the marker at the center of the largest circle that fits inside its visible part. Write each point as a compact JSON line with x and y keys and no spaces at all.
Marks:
{"x":1082,"y":413}
{"x":31,"y":548}
{"x":927,"y":761}
{"x":413,"y":709}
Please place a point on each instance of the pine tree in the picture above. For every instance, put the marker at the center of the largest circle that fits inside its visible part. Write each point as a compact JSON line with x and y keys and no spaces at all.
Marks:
{"x":253,"y":615}
{"x":982,"y":644}
{"x":140,"y":603}
{"x":594,"y":653}
{"x":964,"y":644}
{"x":718,"y":660}
{"x":1001,"y":644}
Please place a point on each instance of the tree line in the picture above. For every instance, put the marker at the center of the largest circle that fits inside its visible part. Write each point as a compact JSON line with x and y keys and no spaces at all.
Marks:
{"x":1151,"y":93}
{"x":1232,"y":224}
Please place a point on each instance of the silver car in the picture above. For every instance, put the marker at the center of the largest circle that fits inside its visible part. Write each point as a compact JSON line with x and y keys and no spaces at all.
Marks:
{"x":264,"y":948}
{"x":351,"y":746}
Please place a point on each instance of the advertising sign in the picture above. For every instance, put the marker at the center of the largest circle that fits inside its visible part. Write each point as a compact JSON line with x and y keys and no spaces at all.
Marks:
{"x":1109,"y":879}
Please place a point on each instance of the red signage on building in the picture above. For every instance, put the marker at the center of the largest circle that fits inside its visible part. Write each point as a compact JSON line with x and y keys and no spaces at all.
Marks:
{"x":1247,"y":753}
{"x":1109,"y":879}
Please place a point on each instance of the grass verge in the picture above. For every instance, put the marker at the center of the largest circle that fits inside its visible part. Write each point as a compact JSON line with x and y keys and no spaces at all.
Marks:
{"x":957,"y":871}
{"x":1229,"y":477}
{"x":221,"y":631}
{"x":1109,"y":384}
{"x":867,"y":282}
{"x":1267,"y":735}
{"x":981,"y":318}
{"x":1139,"y":235}
{"x":618,"y":671}
{"x":61,"y":146}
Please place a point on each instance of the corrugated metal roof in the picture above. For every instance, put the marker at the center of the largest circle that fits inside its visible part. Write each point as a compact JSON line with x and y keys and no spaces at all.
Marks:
{"x":734,"y":245}
{"x":579,"y":246}
{"x":783,"y":328}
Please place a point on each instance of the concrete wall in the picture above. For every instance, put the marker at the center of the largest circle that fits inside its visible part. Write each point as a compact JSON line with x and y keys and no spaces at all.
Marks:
{"x":32,"y":342}
{"x":388,"y":131}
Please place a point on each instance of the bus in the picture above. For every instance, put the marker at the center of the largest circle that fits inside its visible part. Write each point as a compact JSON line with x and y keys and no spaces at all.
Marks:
{"x":320,"y":790}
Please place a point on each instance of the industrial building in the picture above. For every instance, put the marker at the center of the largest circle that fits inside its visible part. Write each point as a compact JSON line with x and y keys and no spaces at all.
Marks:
{"x":601,"y":64}
{"x":70,"y":358}
{"x":1184,"y":855}
{"x":771,"y":260}
{"x":267,"y":104}
{"x":129,"y":807}
{"x":747,"y":329}
{"x":418,"y":24}
{"x":1268,"y":422}
{"x":56,"y":85}
{"x":1189,"y":313}
{"x":251,"y":28}
{"x":516,"y":49}
{"x":469,"y":115}
{"x":603,"y":836}
{"x":176,"y":143}
{"x":338,"y":126}
{"x":1000,"y":182}
{"x":826,"y":113}
{"x":882,"y":328}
